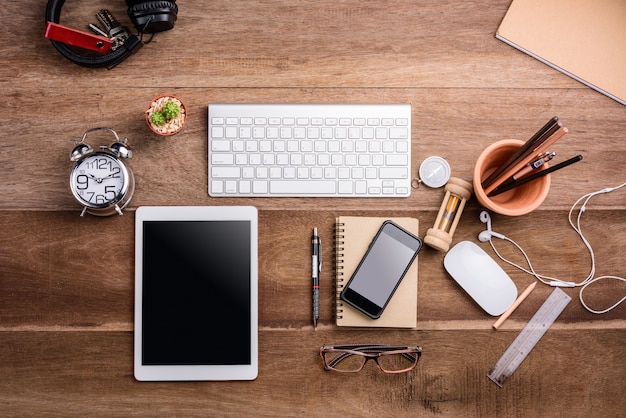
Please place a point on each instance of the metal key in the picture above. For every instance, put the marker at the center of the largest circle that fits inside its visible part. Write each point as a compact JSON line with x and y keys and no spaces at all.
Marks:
{"x":116,"y":32}
{"x":97,"y":30}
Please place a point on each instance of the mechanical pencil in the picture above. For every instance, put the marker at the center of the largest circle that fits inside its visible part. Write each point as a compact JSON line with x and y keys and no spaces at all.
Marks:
{"x":535,"y":176}
{"x":316,"y":269}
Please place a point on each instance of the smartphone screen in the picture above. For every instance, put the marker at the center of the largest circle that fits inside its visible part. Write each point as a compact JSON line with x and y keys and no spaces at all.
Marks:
{"x":383,"y":266}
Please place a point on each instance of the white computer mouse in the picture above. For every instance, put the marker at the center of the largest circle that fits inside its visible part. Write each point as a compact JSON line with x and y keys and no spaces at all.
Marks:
{"x":481,"y":277}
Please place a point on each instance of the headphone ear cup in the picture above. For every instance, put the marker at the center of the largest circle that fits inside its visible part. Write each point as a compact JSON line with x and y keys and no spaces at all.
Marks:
{"x":153,"y":16}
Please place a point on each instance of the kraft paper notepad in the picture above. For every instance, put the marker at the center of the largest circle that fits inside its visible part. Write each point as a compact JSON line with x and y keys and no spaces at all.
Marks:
{"x":585,"y":39}
{"x":353,"y":234}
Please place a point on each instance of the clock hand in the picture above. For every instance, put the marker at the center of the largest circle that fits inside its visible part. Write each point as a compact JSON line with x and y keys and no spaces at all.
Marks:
{"x":98,"y":180}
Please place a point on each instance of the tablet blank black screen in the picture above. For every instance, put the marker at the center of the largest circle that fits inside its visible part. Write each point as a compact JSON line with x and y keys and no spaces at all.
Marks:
{"x":196,"y":293}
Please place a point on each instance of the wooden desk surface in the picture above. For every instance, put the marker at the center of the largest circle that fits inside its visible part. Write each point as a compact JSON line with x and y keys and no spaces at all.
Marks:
{"x":66,"y":283}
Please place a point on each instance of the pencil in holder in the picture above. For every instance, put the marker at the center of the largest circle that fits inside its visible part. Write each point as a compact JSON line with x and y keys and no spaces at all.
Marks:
{"x":440,"y":235}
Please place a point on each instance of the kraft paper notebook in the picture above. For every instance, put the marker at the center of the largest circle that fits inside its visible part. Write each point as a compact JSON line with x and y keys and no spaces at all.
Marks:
{"x":585,"y":39}
{"x":352,"y":237}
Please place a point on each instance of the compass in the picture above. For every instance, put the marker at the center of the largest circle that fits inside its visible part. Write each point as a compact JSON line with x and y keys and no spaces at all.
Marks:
{"x":434,"y":172}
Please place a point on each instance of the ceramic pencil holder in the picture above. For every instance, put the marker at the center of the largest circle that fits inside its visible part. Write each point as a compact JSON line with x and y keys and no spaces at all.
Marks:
{"x":517,"y":201}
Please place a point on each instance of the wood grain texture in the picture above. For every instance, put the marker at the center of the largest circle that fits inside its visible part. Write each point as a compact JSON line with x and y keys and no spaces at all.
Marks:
{"x":67,"y":283}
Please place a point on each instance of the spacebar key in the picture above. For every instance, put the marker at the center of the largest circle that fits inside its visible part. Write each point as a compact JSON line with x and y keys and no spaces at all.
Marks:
{"x":303,"y":187}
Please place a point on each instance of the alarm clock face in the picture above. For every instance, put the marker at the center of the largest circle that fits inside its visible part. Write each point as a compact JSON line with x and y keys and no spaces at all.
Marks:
{"x":99,"y":180}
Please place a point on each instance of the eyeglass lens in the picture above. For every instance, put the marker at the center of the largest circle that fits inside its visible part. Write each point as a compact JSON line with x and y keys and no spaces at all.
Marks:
{"x":345,"y":362}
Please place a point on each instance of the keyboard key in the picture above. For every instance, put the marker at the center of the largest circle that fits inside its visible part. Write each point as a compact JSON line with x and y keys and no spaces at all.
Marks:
{"x":289,"y":172}
{"x":245,"y":132}
{"x":220,"y":145}
{"x":217,"y":132}
{"x":302,"y":173}
{"x":223,"y":159}
{"x":217,"y":186}
{"x":231,"y":132}
{"x":241,"y":159}
{"x":317,"y":173}
{"x":396,"y":159}
{"x":345,"y":187}
{"x":311,"y":186}
{"x":276,"y":172}
{"x":244,"y":186}
{"x":247,"y":172}
{"x":299,"y":132}
{"x":225,"y":172}
{"x":398,"y":133}
{"x":402,"y":146}
{"x":238,"y":146}
{"x":231,"y":186}
{"x":392,"y":173}
{"x":259,"y":187}
{"x":272,"y":132}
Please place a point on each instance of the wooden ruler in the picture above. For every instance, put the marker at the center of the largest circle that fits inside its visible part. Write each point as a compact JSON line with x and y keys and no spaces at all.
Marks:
{"x":529,"y":336}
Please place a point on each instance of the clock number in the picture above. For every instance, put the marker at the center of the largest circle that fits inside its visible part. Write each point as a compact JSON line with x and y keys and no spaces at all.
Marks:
{"x":116,"y":172}
{"x":82,"y":182}
{"x":110,"y":189}
{"x":100,"y":198}
{"x":102,"y":163}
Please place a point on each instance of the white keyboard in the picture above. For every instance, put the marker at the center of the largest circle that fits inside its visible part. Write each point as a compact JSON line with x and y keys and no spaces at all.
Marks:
{"x":317,"y":150}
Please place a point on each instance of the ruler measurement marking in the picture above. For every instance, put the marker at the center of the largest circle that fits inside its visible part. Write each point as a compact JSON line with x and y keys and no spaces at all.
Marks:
{"x":529,"y":337}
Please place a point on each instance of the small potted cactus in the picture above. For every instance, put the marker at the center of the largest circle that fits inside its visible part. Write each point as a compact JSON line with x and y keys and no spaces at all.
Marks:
{"x":166,"y":115}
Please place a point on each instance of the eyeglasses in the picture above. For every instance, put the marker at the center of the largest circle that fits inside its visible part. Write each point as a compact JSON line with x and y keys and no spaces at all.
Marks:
{"x":351,"y":358}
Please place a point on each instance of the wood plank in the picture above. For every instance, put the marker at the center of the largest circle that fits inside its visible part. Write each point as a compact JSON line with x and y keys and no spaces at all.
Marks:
{"x":456,"y":125}
{"x":71,"y":272}
{"x":95,"y":369}
{"x":325,"y":43}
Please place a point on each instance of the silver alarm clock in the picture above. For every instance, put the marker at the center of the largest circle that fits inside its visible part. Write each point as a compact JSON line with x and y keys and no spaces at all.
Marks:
{"x":101,"y":181}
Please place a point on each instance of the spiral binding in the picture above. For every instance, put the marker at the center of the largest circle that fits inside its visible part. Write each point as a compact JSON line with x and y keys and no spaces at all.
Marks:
{"x":339,"y":242}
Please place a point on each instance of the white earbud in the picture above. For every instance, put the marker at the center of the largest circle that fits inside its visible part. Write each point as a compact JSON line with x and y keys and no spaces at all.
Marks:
{"x":486,"y":235}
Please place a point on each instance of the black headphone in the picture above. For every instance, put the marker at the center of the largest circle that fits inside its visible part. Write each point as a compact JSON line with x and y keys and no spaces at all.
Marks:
{"x":146,"y":17}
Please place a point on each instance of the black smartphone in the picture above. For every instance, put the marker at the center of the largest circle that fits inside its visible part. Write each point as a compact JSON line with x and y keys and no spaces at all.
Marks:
{"x":381,"y":269}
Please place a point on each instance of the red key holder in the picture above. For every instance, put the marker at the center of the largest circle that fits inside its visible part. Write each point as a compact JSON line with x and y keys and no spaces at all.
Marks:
{"x":56,"y":32}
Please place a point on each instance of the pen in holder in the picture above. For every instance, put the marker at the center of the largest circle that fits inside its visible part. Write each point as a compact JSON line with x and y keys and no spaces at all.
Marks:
{"x":457,"y":193}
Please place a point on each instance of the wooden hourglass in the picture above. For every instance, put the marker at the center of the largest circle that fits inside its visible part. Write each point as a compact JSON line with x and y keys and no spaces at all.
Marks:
{"x":457,"y":193}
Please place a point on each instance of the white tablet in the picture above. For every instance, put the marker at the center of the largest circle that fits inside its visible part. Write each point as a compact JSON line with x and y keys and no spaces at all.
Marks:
{"x":196,"y":293}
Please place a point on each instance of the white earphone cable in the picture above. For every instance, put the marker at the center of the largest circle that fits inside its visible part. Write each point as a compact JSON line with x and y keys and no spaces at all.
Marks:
{"x":552,"y":281}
